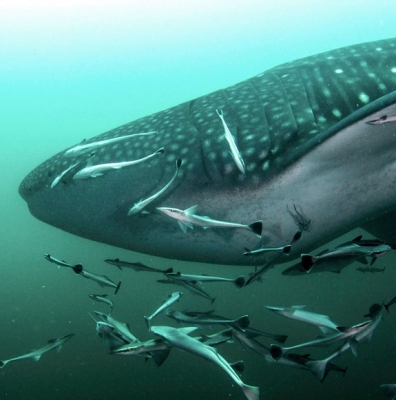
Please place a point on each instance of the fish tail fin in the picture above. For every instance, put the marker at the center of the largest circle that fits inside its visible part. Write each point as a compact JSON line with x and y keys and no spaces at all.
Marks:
{"x":280,"y":338}
{"x":318,"y":368}
{"x":286,"y":249}
{"x":214,"y":298}
{"x":276,"y":351}
{"x":78,"y":268}
{"x":243,"y":322}
{"x":240,"y":281}
{"x":160,"y":151}
{"x":3,"y":363}
{"x":118,"y":287}
{"x":307,"y":262}
{"x":386,"y":307}
{"x":256,"y":227}
{"x":251,"y":392}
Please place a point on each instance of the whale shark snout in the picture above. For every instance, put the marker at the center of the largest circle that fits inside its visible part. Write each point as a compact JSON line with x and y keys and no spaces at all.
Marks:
{"x":318,"y":133}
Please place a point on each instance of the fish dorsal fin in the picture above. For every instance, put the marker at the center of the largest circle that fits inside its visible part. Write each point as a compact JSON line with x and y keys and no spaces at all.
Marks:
{"x":327,"y":331}
{"x":357,"y":238}
{"x":52,"y":340}
{"x":187,"y":330}
{"x":322,"y":252}
{"x":190,"y":211}
{"x":36,"y":358}
{"x":298,"y":307}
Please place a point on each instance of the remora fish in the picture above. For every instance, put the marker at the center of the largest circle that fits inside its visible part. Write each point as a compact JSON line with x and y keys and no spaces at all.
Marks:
{"x":175,"y":296}
{"x":36,"y":354}
{"x":101,"y":280}
{"x":103,"y":299}
{"x":137,"y":207}
{"x":63,"y":174}
{"x":93,"y":171}
{"x":332,"y":260}
{"x":279,"y":351}
{"x":318,"y":367}
{"x":157,"y":349}
{"x":373,"y":270}
{"x":180,"y":339}
{"x":292,"y":142}
{"x":236,"y":155}
{"x":192,"y":287}
{"x":283,"y":249}
{"x":121,"y":327}
{"x":76,"y":268}
{"x":136,"y":266}
{"x":300,"y":219}
{"x":208,"y":318}
{"x":84,"y":148}
{"x":289,"y":360}
{"x":238,"y":282}
{"x":323,"y":322}
{"x":188,"y":218}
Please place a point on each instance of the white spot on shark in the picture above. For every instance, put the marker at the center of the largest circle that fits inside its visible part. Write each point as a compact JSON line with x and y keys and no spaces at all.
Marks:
{"x":364,"y":97}
{"x":336,"y":112}
{"x":338,"y":71}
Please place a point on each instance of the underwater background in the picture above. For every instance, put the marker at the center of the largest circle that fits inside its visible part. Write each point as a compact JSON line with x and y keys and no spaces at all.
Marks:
{"x":70,"y":70}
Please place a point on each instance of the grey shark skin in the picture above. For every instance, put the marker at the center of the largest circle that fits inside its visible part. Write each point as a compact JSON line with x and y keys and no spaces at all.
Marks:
{"x":305,"y":132}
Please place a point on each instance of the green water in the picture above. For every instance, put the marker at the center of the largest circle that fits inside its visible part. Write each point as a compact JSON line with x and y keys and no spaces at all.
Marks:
{"x":71,"y":70}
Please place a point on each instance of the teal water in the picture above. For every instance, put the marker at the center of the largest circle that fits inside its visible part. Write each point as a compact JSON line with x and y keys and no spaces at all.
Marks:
{"x":70,"y":71}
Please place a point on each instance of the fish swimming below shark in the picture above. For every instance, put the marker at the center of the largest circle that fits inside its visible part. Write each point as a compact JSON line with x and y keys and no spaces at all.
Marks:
{"x":53,"y":344}
{"x":315,"y":133}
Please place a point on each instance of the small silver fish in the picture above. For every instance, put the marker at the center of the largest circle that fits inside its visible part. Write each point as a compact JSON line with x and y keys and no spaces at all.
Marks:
{"x":84,"y":148}
{"x":101,"y":280}
{"x":137,"y":266}
{"x":336,"y":259}
{"x":236,"y":155}
{"x":298,"y":313}
{"x":239,"y":281}
{"x":137,"y":207}
{"x":283,"y":249}
{"x":167,"y":303}
{"x":36,"y":354}
{"x":188,"y":218}
{"x":102,"y":298}
{"x":77,"y":268}
{"x":93,"y":171}
{"x":180,"y":339}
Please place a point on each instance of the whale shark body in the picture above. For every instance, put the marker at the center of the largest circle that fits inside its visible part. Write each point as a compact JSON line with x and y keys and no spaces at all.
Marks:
{"x":317,"y":135}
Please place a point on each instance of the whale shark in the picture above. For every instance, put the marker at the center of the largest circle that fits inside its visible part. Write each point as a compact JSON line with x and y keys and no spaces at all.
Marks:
{"x":317,"y":137}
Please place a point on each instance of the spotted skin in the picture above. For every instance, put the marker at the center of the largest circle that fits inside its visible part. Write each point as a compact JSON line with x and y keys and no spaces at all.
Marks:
{"x":285,"y":121}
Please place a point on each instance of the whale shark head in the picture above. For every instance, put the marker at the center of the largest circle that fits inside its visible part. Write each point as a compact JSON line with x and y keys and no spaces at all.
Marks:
{"x":317,"y":137}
